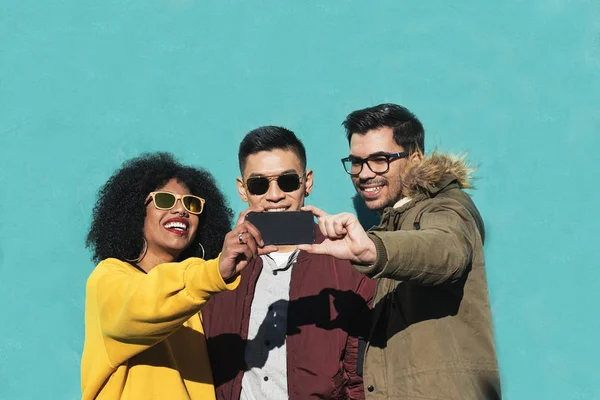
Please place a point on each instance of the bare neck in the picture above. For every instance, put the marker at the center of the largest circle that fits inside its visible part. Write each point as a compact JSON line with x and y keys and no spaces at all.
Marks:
{"x":152,"y":259}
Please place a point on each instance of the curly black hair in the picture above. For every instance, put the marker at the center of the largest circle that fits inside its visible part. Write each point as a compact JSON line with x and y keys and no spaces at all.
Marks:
{"x":118,"y":217}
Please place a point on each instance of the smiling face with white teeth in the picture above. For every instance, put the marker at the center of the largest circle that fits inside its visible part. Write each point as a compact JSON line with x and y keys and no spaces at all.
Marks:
{"x":378,"y":190}
{"x":273,"y":163}
{"x":169,"y":232}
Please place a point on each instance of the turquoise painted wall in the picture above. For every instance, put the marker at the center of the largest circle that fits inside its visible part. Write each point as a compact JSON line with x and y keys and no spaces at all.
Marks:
{"x":85,"y":85}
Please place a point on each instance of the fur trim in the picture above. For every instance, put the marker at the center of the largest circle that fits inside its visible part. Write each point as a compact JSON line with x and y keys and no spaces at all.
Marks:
{"x":424,"y":175}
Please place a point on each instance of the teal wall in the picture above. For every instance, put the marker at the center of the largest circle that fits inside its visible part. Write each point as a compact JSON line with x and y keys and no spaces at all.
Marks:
{"x":85,"y":85}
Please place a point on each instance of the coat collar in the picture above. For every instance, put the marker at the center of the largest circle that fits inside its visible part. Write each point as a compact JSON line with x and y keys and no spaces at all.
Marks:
{"x":429,"y":176}
{"x":434,"y":173}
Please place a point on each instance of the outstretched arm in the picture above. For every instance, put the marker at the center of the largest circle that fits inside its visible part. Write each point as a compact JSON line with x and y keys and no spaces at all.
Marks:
{"x":439,"y":252}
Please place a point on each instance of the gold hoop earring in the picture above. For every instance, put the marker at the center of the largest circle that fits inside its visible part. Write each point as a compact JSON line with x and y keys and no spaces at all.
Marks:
{"x":142,"y":254}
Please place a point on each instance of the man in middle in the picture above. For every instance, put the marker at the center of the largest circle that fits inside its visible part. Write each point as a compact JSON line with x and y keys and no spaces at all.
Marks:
{"x":293,"y":327}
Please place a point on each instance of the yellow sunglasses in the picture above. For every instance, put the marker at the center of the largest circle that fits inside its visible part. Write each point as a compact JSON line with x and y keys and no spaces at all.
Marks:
{"x":167,"y":200}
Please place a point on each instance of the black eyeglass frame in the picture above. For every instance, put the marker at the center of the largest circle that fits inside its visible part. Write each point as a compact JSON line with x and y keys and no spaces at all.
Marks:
{"x":388,"y":156}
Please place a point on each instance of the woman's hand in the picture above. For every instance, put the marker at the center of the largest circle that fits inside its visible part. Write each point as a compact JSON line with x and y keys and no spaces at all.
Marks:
{"x":243,"y":244}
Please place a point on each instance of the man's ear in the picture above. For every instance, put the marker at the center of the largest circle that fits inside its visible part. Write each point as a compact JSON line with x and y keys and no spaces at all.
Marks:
{"x":308,"y":182}
{"x":241,"y":189}
{"x":416,"y":157}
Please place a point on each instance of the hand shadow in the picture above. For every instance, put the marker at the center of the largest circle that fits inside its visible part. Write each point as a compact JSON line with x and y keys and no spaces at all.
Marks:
{"x":353,"y":313}
{"x":227,"y":351}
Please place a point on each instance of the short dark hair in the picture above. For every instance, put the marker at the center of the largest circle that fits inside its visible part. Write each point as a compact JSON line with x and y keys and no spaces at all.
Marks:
{"x":408,"y":130}
{"x":119,"y":213}
{"x":267,"y":138}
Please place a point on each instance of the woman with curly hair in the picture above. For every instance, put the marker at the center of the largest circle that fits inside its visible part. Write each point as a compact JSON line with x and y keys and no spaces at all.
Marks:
{"x":161,"y":236}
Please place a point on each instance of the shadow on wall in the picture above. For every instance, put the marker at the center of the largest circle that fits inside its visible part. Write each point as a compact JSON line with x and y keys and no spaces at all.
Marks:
{"x":366,"y":217}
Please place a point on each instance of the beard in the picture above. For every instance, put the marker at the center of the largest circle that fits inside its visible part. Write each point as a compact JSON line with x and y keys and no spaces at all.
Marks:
{"x":378,"y":199}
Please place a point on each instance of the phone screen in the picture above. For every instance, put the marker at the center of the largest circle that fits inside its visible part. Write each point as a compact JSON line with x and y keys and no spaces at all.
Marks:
{"x":284,"y":227}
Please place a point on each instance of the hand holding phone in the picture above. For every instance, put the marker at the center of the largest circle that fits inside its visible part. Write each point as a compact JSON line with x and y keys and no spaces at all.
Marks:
{"x":284,"y":227}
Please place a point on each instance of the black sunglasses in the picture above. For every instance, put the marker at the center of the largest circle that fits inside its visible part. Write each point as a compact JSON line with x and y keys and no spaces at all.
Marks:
{"x":259,"y":185}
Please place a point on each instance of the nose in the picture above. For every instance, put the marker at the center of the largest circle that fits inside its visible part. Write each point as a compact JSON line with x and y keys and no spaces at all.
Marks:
{"x":274,"y":194}
{"x":178,"y":208}
{"x":366,"y":173}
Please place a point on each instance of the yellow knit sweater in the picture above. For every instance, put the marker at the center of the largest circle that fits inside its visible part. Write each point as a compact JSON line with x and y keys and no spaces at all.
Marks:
{"x":143,"y":332}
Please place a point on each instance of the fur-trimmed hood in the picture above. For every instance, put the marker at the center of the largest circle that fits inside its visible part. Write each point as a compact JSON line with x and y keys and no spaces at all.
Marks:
{"x":432,"y":173}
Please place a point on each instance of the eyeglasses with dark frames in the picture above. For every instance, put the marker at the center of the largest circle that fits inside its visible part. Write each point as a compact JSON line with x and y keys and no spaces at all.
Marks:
{"x":378,"y":163}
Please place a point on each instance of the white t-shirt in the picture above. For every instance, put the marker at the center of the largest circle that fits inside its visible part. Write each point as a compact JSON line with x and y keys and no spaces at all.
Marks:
{"x":266,"y":354}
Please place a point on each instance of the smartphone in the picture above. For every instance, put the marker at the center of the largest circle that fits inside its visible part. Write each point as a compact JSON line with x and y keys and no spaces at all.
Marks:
{"x":284,"y":227}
